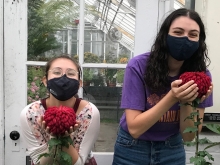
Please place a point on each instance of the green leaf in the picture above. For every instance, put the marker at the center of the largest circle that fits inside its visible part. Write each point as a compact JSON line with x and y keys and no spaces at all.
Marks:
{"x":209,"y":156}
{"x":65,"y":158}
{"x":54,"y":142}
{"x":214,"y":127}
{"x":190,"y":144}
{"x":195,"y":113}
{"x":197,"y":123}
{"x":189,"y":117}
{"x":66,"y":141}
{"x":192,"y":115}
{"x":190,"y":129}
{"x":204,"y":141}
{"x":198,"y":160}
{"x":43,"y":155}
{"x":204,"y":154}
{"x":196,"y":102}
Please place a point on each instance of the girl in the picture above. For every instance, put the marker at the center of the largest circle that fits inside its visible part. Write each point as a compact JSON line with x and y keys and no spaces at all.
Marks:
{"x":151,"y":129}
{"x":62,"y":78}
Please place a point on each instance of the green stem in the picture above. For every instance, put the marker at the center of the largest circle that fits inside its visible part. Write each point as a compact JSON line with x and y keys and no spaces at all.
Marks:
{"x":197,"y":134}
{"x":55,"y":153}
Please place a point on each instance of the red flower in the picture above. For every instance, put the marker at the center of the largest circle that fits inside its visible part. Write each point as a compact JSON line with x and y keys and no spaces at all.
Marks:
{"x":59,"y":119}
{"x":201,"y":79}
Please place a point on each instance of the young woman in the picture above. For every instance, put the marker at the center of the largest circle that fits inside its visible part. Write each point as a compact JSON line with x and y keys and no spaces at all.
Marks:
{"x":151,"y":129}
{"x":62,"y":78}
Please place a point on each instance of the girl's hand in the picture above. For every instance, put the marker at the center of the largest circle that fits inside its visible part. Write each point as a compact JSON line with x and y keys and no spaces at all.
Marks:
{"x":185,"y":93}
{"x":67,"y":133}
{"x":207,"y":94}
{"x":72,"y":129}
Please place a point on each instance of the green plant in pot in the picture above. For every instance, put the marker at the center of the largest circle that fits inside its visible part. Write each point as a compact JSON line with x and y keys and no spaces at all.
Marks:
{"x":120,"y":75}
{"x":111,"y":75}
{"x":88,"y":57}
{"x":98,"y":80}
{"x":87,"y":76}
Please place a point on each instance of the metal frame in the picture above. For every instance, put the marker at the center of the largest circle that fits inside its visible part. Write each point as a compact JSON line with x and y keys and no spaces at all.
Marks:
{"x":2,"y":110}
{"x":15,"y":79}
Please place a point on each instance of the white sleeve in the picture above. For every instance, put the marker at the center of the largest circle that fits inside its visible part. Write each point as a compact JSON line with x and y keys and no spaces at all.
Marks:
{"x":31,"y":133}
{"x":89,"y":137}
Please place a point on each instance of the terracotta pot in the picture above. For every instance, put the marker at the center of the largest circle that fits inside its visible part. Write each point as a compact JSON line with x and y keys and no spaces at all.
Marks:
{"x":110,"y":84}
{"x":86,"y":83}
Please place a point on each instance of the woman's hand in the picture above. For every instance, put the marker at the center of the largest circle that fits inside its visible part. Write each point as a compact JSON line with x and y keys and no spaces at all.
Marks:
{"x":207,"y":94}
{"x":185,"y":93}
{"x":67,"y":132}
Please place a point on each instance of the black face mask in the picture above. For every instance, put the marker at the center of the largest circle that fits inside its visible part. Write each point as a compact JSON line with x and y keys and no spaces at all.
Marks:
{"x":63,"y":88}
{"x":181,"y":48}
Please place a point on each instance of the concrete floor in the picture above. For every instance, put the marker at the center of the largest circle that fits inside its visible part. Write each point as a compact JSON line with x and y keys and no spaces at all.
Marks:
{"x":107,"y":137}
{"x":104,"y":146}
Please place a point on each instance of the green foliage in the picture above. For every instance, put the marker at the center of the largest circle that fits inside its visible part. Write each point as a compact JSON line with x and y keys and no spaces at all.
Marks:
{"x":214,"y":127}
{"x":98,"y":79}
{"x":200,"y":157}
{"x":120,"y":75}
{"x":44,"y":19}
{"x":87,"y":74}
{"x":36,"y":90}
{"x":55,"y":150}
{"x":190,"y":130}
{"x":88,"y":58}
{"x":111,"y":75}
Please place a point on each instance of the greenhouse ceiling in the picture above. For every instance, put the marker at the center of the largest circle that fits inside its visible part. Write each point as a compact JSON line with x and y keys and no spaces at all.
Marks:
{"x":116,"y":14}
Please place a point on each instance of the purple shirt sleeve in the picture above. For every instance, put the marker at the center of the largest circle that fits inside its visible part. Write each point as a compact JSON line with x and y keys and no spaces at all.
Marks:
{"x":133,"y":92}
{"x":208,"y":102}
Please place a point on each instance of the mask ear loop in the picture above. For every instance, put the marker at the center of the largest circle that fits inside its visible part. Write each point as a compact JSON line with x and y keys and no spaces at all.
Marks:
{"x":84,"y":90}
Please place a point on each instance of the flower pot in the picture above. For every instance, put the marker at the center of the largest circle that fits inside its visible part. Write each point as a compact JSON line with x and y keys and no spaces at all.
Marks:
{"x":86,"y":83}
{"x":111,"y":84}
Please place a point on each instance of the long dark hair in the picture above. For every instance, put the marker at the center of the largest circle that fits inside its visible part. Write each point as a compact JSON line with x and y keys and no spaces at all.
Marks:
{"x":157,"y":70}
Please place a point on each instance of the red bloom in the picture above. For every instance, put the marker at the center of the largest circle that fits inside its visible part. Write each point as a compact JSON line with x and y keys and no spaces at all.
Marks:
{"x":59,"y":119}
{"x":201,"y":79}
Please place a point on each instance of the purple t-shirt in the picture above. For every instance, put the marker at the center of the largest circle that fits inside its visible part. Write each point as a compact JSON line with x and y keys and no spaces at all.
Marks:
{"x":135,"y":95}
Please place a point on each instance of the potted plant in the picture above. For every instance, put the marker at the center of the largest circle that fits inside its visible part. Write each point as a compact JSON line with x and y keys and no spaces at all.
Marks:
{"x":87,"y":76}
{"x":120,"y":76}
{"x":111,"y":75}
{"x":98,"y":80}
{"x":88,"y":57}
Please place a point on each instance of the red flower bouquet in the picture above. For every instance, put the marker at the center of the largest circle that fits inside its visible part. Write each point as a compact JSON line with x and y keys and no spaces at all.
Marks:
{"x":59,"y":120}
{"x":201,"y":79}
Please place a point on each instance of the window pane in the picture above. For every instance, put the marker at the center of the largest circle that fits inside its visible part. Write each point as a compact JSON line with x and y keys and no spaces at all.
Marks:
{"x":103,"y":88}
{"x":52,"y":25}
{"x":35,"y":89}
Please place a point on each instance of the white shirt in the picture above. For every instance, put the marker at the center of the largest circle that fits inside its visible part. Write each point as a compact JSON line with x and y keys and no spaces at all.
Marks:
{"x":83,"y":138}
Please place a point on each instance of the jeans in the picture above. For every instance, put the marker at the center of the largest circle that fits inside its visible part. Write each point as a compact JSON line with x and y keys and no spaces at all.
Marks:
{"x":130,"y":151}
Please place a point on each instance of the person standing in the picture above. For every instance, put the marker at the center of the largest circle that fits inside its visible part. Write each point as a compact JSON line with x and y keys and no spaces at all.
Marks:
{"x":151,"y":128}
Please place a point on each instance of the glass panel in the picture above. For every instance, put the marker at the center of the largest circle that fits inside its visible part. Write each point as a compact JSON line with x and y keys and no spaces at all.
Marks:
{"x":105,"y":52}
{"x":117,"y":29}
{"x":35,"y":89}
{"x":52,"y":25}
{"x":55,"y":31}
{"x":103,"y":88}
{"x":103,"y":77}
